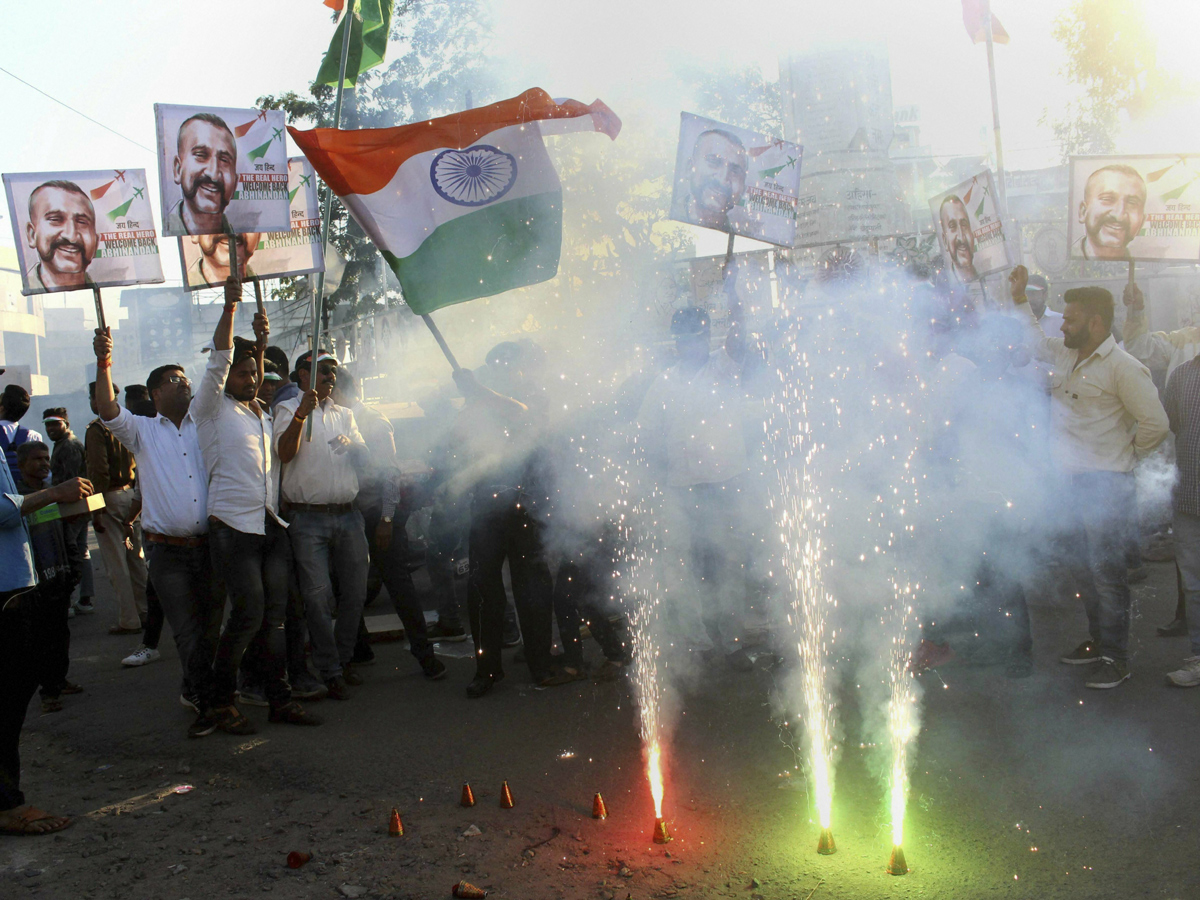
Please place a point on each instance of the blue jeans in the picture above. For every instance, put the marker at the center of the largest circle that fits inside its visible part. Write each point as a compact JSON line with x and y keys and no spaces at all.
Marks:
{"x":1187,"y":558}
{"x":255,"y":570}
{"x":183,"y":581}
{"x":1101,"y":505}
{"x":320,"y":540}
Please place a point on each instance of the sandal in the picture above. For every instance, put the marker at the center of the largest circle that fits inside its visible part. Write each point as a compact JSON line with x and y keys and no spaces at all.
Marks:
{"x":70,"y":687}
{"x":26,"y":824}
{"x":564,"y":675}
{"x":231,"y":721}
{"x":51,"y":705}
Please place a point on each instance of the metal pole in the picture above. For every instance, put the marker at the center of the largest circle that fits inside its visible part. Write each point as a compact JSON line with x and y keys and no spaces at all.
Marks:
{"x":987,"y":19}
{"x":319,"y":296}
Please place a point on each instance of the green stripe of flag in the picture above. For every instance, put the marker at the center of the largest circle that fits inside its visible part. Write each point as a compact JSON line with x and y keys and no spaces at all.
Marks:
{"x":372,"y":22}
{"x":505,"y":245}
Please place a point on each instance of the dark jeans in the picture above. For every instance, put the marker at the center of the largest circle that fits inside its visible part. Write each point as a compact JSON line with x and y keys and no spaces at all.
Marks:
{"x":52,"y":634}
{"x":255,"y":569}
{"x":392,"y":564}
{"x":18,"y":681}
{"x":295,"y":628}
{"x":1102,"y":505}
{"x":717,"y":554}
{"x":76,"y":534}
{"x":499,"y":533}
{"x":578,"y":599}
{"x":152,"y":632}
{"x":183,"y":582}
{"x":448,"y":529}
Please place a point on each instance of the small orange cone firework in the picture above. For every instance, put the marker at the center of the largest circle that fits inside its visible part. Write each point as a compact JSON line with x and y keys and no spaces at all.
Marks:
{"x":661,"y":835}
{"x":468,"y":795}
{"x":395,"y":826}
{"x":825,"y":844}
{"x":466,"y":889}
{"x":296,"y":859}
{"x":599,"y":810}
{"x":506,"y":800}
{"x":897,"y":865}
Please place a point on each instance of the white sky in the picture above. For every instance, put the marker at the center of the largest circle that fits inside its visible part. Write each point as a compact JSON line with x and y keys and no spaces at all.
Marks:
{"x":113,"y":61}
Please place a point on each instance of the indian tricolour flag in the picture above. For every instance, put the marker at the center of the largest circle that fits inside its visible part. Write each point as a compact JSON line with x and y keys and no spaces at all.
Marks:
{"x":464,"y":206}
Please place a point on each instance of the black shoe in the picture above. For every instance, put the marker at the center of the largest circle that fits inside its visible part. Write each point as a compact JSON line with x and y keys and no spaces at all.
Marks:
{"x":434,"y":668}
{"x":439,"y":632}
{"x":1175,"y":628}
{"x":205,"y":724}
{"x":1109,"y":674}
{"x":337,"y":688}
{"x":481,"y":684}
{"x":352,"y":677}
{"x":1086,"y":654}
{"x":363,"y":656}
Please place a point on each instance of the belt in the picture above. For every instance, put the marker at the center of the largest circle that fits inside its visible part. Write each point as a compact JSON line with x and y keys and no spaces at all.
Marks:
{"x":331,"y":508}
{"x":197,"y":540}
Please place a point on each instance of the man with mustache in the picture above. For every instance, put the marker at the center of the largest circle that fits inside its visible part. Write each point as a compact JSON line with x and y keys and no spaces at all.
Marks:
{"x":205,"y":169}
{"x":1112,"y":212}
{"x":717,"y":180}
{"x":957,"y":238}
{"x":210,"y":267}
{"x":62,"y":231}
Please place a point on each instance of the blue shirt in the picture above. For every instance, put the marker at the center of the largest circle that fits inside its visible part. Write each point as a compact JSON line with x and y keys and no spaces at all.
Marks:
{"x":16,"y":555}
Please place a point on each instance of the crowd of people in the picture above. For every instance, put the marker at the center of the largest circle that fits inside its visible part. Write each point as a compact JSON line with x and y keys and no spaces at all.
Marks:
{"x":248,"y":513}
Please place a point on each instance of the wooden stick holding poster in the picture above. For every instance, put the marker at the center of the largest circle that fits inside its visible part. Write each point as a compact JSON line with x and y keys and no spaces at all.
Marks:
{"x":100,"y":323}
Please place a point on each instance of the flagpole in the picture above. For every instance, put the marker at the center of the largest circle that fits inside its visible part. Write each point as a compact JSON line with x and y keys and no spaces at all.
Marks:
{"x":987,"y":25}
{"x":327,"y":213}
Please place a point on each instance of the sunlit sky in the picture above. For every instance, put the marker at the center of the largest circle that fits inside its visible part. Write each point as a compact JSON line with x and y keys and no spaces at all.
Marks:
{"x":113,"y":61}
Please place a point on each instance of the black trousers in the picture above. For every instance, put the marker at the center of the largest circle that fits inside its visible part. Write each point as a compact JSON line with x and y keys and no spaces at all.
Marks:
{"x":52,"y":634}
{"x":579,"y":600}
{"x":500,"y":533}
{"x":18,"y":681}
{"x":392,"y":565}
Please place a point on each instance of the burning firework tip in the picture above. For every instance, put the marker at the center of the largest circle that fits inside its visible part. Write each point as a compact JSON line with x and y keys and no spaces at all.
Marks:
{"x":661,"y":835}
{"x":897,"y":864}
{"x":395,"y":826}
{"x":825,"y":844}
{"x":506,"y":800}
{"x":468,"y":795}
{"x":599,"y":810}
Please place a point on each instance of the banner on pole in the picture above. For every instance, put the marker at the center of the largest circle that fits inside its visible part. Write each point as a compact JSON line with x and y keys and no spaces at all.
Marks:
{"x":736,"y":181}
{"x":970,"y":230}
{"x":79,"y":230}
{"x":1125,"y":208}
{"x":221,"y":171}
{"x":276,"y":254}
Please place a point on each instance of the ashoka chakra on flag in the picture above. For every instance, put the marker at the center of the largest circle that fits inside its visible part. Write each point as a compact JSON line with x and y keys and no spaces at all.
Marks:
{"x":474,"y":176}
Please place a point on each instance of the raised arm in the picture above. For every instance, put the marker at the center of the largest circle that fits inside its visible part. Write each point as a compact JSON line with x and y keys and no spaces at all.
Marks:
{"x":1153,"y":349}
{"x":1041,"y":347}
{"x":106,"y":401}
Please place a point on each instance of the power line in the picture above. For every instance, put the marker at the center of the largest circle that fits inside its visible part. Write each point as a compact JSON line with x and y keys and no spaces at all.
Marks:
{"x":74,"y":110}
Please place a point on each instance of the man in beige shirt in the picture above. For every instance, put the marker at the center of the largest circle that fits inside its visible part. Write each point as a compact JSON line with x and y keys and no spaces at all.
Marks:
{"x":1104,"y":415}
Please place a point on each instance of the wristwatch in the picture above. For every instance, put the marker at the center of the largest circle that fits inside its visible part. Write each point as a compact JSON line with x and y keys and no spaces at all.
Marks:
{"x":387,"y":520}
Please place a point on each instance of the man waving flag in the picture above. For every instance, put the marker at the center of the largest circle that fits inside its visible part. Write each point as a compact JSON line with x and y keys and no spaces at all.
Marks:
{"x":463,"y":206}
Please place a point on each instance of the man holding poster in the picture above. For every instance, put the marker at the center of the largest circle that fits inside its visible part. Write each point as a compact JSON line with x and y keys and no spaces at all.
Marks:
{"x":205,"y":169}
{"x":62,"y":231}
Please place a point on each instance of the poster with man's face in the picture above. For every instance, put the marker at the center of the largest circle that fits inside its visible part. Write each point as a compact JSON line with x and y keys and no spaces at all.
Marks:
{"x":276,"y":254}
{"x":221,"y":171}
{"x":1135,"y":207}
{"x":736,"y":181}
{"x":79,"y":230}
{"x":968,"y":226}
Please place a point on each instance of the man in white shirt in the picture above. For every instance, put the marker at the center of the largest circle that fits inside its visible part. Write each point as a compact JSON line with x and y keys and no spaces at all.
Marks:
{"x":174,"y":488}
{"x":318,"y":486}
{"x":1104,"y":415}
{"x":692,"y":421}
{"x":248,"y":541}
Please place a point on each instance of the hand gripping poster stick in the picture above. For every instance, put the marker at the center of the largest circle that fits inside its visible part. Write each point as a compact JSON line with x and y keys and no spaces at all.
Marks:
{"x":327,"y":212}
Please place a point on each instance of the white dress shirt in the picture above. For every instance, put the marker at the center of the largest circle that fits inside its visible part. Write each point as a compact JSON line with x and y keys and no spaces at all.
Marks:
{"x":699,"y":417}
{"x":1104,"y":412}
{"x":1160,"y":349}
{"x":171,"y":475}
{"x":9,"y":428}
{"x":238,"y":452}
{"x":316,"y":474}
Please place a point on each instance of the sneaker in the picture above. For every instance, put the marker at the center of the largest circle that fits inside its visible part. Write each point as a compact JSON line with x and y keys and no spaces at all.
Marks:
{"x":204,"y":725}
{"x":439,"y":632}
{"x":434,"y":668}
{"x":253,"y":696}
{"x":1174,"y":628}
{"x":51,"y":705}
{"x":84,"y":607}
{"x":336,"y":688}
{"x":481,"y":684}
{"x":190,"y":701}
{"x":351,"y":677}
{"x":71,"y":612}
{"x":70,"y":687}
{"x":141,"y":657}
{"x":306,"y":686}
{"x":363,"y":656}
{"x":1084,"y":655}
{"x":1108,"y":674}
{"x":292,"y":713}
{"x":1187,"y":675}
{"x":511,"y":640}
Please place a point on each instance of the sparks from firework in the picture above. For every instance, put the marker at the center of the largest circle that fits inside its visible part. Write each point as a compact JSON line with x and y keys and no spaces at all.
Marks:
{"x":902,"y":713}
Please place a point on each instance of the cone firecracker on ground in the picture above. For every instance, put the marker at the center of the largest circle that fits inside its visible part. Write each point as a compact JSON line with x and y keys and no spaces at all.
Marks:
{"x":296,"y":859}
{"x":599,"y":810}
{"x":506,"y":800}
{"x":468,"y":795}
{"x":825,"y":844}
{"x":661,"y":835}
{"x":395,"y":826}
{"x":466,"y":889}
{"x":897,"y":864}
